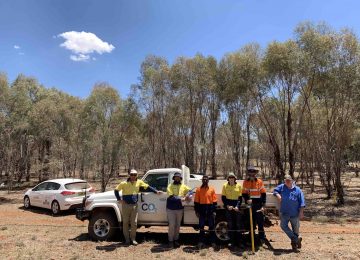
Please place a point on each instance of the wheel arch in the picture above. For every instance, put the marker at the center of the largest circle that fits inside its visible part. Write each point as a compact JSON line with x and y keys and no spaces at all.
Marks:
{"x":112,"y":209}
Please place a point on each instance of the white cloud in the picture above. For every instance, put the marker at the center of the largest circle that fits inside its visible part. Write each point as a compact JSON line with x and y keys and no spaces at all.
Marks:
{"x":80,"y":57}
{"x":84,"y":43}
{"x":16,"y":47}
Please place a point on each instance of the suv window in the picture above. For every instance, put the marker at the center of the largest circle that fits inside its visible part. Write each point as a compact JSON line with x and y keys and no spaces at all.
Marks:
{"x":158,"y":181}
{"x":40,"y":187}
{"x":53,"y":186}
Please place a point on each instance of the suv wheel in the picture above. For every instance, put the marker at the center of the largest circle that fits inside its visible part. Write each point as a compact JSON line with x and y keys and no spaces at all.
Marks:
{"x":102,"y":226}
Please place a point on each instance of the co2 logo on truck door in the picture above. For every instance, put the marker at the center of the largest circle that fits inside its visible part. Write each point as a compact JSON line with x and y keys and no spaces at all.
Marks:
{"x":148,"y":207}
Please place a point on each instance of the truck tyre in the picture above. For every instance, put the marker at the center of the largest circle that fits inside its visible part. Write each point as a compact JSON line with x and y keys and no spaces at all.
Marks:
{"x":221,"y":227}
{"x":102,"y":226}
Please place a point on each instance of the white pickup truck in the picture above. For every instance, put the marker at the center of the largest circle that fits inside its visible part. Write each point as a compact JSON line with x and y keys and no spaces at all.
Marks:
{"x":104,"y":213}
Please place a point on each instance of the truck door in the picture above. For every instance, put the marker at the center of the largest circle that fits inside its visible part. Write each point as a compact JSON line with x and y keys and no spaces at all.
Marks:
{"x":151,"y":206}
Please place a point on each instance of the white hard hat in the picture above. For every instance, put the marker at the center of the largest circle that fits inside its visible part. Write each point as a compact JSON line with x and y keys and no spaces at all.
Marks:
{"x":133,"y":171}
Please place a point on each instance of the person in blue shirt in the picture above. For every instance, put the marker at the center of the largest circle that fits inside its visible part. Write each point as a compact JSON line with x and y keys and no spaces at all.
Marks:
{"x":292,"y":204}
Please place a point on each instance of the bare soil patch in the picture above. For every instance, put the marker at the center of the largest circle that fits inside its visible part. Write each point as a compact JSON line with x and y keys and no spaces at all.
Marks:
{"x":330,"y":232}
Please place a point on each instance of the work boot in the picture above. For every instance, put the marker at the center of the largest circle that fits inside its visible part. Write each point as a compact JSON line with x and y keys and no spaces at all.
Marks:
{"x":171,"y":244}
{"x":176,"y":244}
{"x":127,"y":243}
{"x":200,"y":245}
{"x":215,"y":246}
{"x":134,"y":243}
{"x":294,"y":246}
{"x":299,"y":242}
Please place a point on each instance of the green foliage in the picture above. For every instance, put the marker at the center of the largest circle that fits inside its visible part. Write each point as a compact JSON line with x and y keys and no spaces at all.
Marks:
{"x":292,"y":103}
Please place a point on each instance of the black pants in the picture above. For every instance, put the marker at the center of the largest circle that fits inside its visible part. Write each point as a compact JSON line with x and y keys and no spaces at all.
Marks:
{"x":258,"y":220}
{"x":207,"y":217}
{"x":234,"y":221}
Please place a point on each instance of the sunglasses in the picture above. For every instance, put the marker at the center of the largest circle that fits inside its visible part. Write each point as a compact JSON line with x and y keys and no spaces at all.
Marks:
{"x":133,"y":174}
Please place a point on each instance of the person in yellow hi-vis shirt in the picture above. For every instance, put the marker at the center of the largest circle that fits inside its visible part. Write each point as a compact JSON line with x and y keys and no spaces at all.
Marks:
{"x":177,"y":192}
{"x":232,"y":197}
{"x":130,"y":191}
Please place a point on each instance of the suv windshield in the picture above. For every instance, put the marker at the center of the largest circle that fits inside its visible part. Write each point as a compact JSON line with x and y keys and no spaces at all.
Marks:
{"x":158,"y":181}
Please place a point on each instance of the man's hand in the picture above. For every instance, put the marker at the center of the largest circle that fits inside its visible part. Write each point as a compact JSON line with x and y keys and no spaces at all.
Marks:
{"x":197,"y":214}
{"x":230,"y":207}
{"x":120,"y":202}
{"x":261,"y":210}
{"x":236,"y":209}
{"x":159,"y":192}
{"x":249,"y":202}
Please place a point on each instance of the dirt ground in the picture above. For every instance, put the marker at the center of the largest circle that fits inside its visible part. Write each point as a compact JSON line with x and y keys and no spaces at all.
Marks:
{"x":329,"y":232}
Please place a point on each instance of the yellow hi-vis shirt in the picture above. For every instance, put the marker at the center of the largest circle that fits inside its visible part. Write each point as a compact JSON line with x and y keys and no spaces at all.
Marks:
{"x":231,"y":192}
{"x":130,"y":190}
{"x":177,"y":190}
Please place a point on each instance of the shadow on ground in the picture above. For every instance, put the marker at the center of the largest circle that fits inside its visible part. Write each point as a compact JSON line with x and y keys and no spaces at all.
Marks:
{"x":4,"y":200}
{"x":48,"y":212}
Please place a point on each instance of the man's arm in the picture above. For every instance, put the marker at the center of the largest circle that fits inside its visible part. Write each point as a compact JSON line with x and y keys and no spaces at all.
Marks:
{"x":146,"y":186}
{"x":301,"y":213}
{"x":117,"y":195}
{"x":302,"y":205}
{"x":224,"y":200}
{"x":239,"y":202}
{"x":277,"y":192}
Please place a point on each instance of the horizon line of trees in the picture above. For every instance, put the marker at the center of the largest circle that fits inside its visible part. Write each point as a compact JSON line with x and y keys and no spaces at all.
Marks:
{"x":292,"y":107}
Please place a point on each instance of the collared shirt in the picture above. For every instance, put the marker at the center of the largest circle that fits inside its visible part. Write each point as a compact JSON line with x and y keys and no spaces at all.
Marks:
{"x":205,"y":195}
{"x":253,"y":188}
{"x":130,"y":190}
{"x":291,"y":199}
{"x":175,"y":192}
{"x":231,"y":192}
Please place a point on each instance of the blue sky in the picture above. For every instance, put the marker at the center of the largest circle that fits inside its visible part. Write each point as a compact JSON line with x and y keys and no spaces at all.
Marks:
{"x":125,"y":32}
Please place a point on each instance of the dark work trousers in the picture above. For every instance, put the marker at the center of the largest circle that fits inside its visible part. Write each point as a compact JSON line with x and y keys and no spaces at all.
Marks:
{"x":207,"y":217}
{"x":233,"y":219}
{"x":258,"y":219}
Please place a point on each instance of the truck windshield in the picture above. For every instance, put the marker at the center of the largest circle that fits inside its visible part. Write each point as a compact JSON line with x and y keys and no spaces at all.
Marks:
{"x":158,"y":181}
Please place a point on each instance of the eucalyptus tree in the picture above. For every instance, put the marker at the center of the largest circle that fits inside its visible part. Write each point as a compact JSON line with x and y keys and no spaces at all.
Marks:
{"x":103,"y":110}
{"x":334,"y":63}
{"x":239,"y":75}
{"x":24,"y":94}
{"x":155,"y":97}
{"x":194,"y":83}
{"x":4,"y":121}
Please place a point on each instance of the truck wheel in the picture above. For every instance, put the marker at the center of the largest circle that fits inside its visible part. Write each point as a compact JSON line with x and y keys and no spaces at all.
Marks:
{"x":221,"y":227}
{"x":102,"y":226}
